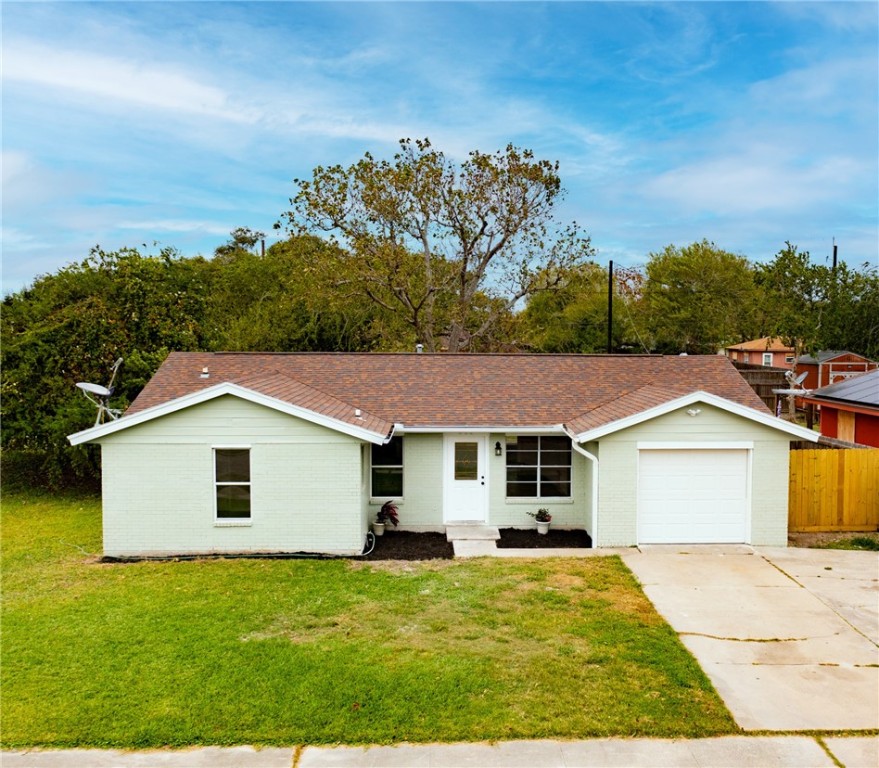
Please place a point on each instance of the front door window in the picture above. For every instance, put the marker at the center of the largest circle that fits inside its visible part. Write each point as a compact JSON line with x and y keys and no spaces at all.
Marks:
{"x":466,"y":461}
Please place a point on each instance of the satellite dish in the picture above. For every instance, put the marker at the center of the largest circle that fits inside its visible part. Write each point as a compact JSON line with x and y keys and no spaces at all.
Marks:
{"x":98,"y":395}
{"x":795,"y":381}
{"x":95,"y":389}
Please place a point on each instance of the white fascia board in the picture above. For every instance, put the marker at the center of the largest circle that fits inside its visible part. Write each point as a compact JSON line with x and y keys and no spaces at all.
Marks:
{"x":402,"y":429}
{"x":768,"y":420}
{"x":226,"y":388}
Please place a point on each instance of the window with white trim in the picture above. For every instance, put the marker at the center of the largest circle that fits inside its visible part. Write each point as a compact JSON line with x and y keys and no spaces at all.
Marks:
{"x":767,"y":358}
{"x":538,"y":466}
{"x":232,"y":483}
{"x":387,"y":469}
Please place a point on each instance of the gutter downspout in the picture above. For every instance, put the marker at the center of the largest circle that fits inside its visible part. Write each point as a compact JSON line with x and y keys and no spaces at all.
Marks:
{"x":594,"y":459}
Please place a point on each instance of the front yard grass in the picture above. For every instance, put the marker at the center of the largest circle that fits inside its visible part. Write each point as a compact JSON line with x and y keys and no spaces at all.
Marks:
{"x":309,"y":651}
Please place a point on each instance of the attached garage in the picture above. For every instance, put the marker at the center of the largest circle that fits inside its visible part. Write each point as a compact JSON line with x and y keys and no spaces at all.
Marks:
{"x":690,"y":496}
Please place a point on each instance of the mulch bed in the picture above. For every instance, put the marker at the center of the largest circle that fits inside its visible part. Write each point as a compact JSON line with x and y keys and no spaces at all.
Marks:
{"x":406,"y":545}
{"x":529,"y":538}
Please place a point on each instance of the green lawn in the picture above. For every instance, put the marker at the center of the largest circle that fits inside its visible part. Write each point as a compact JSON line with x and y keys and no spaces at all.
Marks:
{"x":309,"y":651}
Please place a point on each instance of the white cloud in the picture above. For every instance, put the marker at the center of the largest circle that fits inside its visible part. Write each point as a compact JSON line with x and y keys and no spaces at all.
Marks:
{"x":175,"y":225}
{"x":760,"y":181}
{"x":119,"y":79}
{"x":18,"y":239}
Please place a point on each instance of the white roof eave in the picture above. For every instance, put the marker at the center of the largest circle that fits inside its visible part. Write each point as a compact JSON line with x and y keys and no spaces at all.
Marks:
{"x":766,"y":419}
{"x":226,"y":388}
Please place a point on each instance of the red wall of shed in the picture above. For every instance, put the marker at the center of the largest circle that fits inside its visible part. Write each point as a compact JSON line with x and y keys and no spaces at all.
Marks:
{"x":829,"y":421}
{"x":867,"y":429}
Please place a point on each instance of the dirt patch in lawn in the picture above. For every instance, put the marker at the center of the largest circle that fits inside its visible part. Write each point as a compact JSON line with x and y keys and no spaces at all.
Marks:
{"x":830,"y":539}
{"x":407,"y":545}
{"x":529,"y":538}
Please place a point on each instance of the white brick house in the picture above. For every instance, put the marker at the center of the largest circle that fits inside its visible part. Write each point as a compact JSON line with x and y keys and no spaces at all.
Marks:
{"x":234,"y":452}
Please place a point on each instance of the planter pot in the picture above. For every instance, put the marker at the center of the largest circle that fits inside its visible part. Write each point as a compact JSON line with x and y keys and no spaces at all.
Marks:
{"x":543,"y":527}
{"x":378,"y":529}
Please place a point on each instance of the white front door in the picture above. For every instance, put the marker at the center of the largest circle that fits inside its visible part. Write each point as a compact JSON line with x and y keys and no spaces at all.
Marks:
{"x":466,"y":481}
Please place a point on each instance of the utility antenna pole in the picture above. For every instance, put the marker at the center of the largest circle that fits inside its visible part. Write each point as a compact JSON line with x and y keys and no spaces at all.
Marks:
{"x":610,"y":309}
{"x":834,"y":255}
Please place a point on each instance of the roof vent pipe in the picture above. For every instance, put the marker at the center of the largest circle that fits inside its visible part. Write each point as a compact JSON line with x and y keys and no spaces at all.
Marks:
{"x":419,"y":348}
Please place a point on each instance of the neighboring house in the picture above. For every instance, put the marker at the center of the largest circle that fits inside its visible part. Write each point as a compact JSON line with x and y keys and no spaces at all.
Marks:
{"x":766,"y":351}
{"x":830,"y":366}
{"x":237,"y":452}
{"x":850,"y":409}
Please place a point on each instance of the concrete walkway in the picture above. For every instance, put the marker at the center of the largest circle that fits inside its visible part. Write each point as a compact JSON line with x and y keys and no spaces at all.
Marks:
{"x":788,"y":637}
{"x":723,"y":752}
{"x":481,"y":541}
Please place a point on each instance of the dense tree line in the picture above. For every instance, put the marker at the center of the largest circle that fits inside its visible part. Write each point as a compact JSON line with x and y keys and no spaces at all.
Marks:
{"x":457,"y":258}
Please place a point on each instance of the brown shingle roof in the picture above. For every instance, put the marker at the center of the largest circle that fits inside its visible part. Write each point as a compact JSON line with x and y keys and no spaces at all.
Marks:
{"x":449,"y":390}
{"x":289,"y":390}
{"x":622,"y":407}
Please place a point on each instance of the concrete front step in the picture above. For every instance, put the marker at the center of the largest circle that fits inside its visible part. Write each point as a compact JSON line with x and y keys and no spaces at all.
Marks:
{"x":472,"y":533}
{"x":474,"y":548}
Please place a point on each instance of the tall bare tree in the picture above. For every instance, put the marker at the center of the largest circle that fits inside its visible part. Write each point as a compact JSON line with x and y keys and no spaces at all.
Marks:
{"x":431,"y":238}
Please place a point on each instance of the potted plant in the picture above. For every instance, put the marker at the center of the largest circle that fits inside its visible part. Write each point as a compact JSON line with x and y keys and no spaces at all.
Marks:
{"x":387,"y":514}
{"x":543,"y":519}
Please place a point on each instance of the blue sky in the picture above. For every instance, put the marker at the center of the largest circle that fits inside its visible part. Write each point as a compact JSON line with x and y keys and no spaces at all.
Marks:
{"x":153,"y":122}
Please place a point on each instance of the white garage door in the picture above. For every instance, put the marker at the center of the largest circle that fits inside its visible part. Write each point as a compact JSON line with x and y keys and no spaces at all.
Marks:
{"x":692,"y":496}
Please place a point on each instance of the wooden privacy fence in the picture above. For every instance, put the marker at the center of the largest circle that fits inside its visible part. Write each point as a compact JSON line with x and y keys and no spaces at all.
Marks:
{"x":834,"y":490}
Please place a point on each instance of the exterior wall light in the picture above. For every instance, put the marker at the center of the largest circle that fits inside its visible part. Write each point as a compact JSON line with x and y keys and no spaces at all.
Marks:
{"x":498,"y":451}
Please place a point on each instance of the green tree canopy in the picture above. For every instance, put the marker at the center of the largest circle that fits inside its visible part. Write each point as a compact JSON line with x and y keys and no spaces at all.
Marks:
{"x":814,"y":307}
{"x":70,"y":327}
{"x":699,"y":298}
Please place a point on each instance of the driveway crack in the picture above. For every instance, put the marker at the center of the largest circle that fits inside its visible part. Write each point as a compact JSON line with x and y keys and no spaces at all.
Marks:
{"x":750,"y":639}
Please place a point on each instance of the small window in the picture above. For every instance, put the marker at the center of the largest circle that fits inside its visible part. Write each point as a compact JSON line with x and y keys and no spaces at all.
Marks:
{"x":232,"y":480}
{"x":538,"y":467}
{"x":767,"y":358}
{"x":789,"y":359}
{"x":466,"y":461}
{"x":387,"y":469}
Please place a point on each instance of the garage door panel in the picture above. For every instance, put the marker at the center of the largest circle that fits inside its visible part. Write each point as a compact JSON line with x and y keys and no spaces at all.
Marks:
{"x":693,"y":496}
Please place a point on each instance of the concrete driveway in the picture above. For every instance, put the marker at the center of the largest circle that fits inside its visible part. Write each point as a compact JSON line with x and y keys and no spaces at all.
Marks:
{"x":788,"y":637}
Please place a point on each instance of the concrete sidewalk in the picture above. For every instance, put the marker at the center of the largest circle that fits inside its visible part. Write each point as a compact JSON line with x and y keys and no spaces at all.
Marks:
{"x":721,"y":752}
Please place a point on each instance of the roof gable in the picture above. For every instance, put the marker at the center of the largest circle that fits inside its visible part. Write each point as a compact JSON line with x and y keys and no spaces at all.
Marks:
{"x":672,"y":404}
{"x":277,"y":392}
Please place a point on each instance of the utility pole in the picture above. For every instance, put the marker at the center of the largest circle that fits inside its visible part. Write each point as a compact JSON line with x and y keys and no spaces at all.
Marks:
{"x":610,"y":309}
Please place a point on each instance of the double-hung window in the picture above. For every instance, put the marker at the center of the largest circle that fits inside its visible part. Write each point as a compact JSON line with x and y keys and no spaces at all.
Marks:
{"x":232,"y":483}
{"x":387,"y":469}
{"x":538,"y":467}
